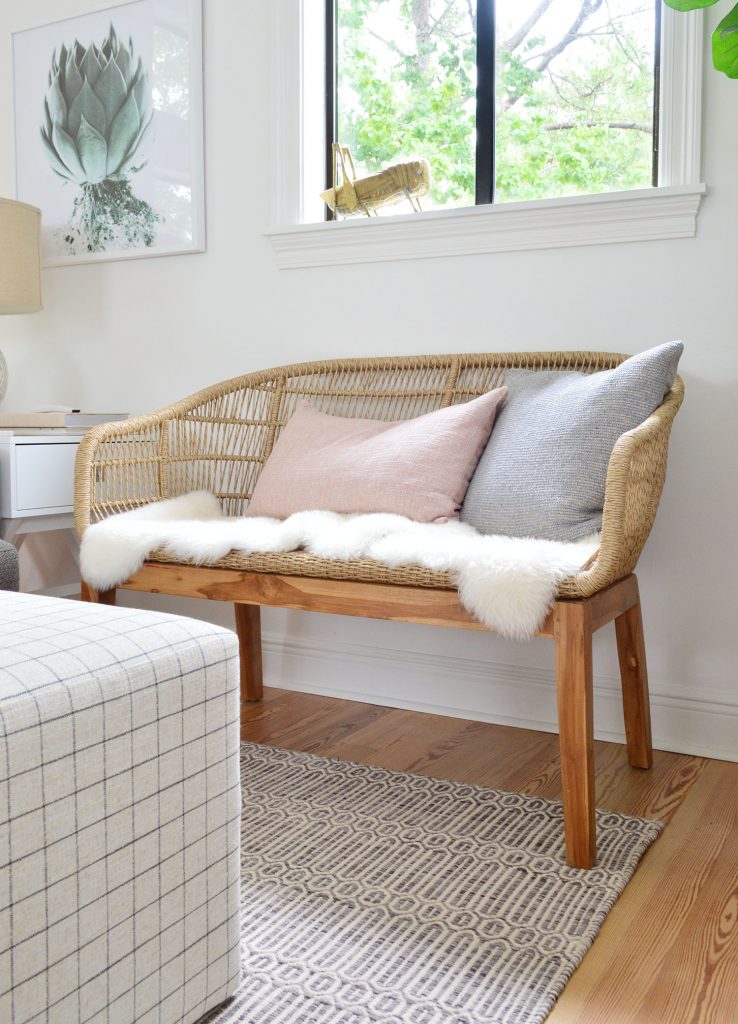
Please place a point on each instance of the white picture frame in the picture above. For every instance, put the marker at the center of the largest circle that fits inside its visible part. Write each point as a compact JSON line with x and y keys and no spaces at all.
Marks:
{"x":109,"y":131}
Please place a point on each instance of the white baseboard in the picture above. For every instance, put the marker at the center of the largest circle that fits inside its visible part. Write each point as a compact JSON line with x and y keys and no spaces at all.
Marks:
{"x":705,"y":726}
{"x":63,"y":590}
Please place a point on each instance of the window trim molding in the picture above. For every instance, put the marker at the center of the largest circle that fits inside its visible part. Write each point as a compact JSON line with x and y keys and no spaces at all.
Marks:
{"x":668,"y":211}
{"x":636,"y":216}
{"x":680,"y":103}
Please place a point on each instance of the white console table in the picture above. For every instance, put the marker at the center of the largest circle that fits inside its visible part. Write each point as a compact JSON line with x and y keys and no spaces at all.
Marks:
{"x":37,"y":487}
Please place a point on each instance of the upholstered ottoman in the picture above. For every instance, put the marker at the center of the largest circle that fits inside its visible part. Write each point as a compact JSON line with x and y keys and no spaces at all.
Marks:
{"x":119,"y":814}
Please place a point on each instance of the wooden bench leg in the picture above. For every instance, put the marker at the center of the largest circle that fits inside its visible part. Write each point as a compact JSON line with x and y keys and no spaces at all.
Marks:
{"x":248,"y":627}
{"x":86,"y":593}
{"x":573,"y":640}
{"x":634,"y":677}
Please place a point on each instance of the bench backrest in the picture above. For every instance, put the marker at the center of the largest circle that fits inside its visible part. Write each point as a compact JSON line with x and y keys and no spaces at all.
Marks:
{"x":233,"y":426}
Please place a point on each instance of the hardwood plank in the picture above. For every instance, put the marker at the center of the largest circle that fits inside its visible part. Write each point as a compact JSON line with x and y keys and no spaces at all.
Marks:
{"x":417,"y":749}
{"x":658,"y":793}
{"x":542,"y":777}
{"x":631,"y":959}
{"x":618,"y":786}
{"x":435,"y":745}
{"x":706,"y":948}
{"x":481,"y":749}
{"x":263,"y":719}
{"x":318,"y":732}
{"x":272,"y":698}
{"x":401,"y":741}
{"x":515,"y":775}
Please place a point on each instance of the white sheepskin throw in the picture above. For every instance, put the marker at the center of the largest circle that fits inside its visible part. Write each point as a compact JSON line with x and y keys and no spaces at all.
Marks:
{"x":508,"y":583}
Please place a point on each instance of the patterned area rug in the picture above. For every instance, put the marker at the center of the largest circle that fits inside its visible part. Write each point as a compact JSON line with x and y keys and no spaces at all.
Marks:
{"x":377,"y":896}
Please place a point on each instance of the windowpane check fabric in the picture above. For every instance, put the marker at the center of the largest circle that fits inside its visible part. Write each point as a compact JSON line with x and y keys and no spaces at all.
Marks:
{"x":119,"y":814}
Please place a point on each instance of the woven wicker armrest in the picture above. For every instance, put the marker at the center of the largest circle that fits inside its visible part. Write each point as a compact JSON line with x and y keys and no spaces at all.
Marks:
{"x":635,"y":480}
{"x":127,"y":452}
{"x":193,"y":444}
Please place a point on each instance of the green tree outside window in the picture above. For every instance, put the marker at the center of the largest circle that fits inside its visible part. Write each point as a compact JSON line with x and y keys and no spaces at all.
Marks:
{"x":574,"y":93}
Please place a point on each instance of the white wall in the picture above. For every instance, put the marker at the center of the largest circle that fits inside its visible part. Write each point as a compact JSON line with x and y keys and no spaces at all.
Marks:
{"x":138,"y":334}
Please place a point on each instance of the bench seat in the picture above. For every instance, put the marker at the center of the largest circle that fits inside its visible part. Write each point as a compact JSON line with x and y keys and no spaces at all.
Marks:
{"x":365,"y":570}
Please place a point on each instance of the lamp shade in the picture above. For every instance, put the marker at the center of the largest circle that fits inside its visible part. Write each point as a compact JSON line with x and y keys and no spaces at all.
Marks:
{"x":20,"y":257}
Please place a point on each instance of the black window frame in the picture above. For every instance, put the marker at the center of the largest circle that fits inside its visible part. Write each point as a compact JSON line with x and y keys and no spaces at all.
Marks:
{"x":485,"y":112}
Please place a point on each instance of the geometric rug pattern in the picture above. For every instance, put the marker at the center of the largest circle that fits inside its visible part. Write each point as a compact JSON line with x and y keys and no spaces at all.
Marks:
{"x":379,"y":897}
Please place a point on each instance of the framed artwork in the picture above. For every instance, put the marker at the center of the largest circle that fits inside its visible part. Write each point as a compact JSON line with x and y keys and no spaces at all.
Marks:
{"x":109,"y":131}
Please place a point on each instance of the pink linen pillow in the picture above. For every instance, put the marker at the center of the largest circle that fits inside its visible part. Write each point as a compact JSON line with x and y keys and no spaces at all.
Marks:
{"x":418,"y":468}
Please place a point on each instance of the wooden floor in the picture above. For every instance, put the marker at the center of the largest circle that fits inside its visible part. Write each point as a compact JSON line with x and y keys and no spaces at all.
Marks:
{"x":668,"y":952}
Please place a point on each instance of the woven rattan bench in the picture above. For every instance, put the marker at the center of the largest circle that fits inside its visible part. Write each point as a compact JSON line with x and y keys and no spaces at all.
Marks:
{"x":218,"y":440}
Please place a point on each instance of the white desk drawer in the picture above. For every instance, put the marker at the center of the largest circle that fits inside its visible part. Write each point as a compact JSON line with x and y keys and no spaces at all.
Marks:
{"x":44,"y":475}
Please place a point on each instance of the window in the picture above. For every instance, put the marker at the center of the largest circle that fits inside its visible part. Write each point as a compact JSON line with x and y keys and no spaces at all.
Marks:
{"x":507,"y":99}
{"x":527,"y":212}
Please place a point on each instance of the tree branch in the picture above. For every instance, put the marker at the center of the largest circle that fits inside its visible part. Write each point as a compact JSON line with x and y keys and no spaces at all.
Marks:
{"x":437,"y":21}
{"x":567,"y":125}
{"x":586,"y":10}
{"x":389,"y":43}
{"x":522,"y":33}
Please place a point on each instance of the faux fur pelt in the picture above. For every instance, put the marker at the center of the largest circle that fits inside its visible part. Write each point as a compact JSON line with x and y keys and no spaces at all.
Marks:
{"x":508,"y":583}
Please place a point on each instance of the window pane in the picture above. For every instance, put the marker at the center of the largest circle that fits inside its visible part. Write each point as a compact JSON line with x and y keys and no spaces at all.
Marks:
{"x":407,"y":88}
{"x":575,"y":92}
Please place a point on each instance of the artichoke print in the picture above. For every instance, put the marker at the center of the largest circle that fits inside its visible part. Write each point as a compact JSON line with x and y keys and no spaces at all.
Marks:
{"x":97,"y":112}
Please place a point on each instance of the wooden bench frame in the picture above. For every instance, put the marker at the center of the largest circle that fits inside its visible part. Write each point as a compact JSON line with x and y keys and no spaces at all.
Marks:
{"x":218,"y":440}
{"x":571,"y":624}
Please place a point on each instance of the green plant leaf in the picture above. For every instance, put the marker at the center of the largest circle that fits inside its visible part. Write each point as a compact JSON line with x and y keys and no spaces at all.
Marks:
{"x":130,"y":156}
{"x":73,"y":80}
{"x":123,"y":60}
{"x":123,"y":132}
{"x":47,"y":126}
{"x":67,"y":151}
{"x":56,"y":164}
{"x":725,"y":44}
{"x":59,"y":59}
{"x":142,"y":92}
{"x":86,"y":105}
{"x":110,"y":44}
{"x":93,"y":151}
{"x":110,"y":89}
{"x":57,"y":104}
{"x":689,"y":5}
{"x":90,"y":66}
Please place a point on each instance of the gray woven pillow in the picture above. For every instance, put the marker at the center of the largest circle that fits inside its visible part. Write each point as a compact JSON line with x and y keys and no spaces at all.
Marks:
{"x":543,"y":471}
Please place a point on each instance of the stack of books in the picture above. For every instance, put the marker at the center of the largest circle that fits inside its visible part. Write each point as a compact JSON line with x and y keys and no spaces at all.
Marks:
{"x":72,"y":420}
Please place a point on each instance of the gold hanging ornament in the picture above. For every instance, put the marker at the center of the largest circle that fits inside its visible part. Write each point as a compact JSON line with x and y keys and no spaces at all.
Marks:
{"x":350,"y":195}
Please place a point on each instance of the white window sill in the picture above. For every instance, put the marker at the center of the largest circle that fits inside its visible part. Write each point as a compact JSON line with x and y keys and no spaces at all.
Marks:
{"x":636,"y":216}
